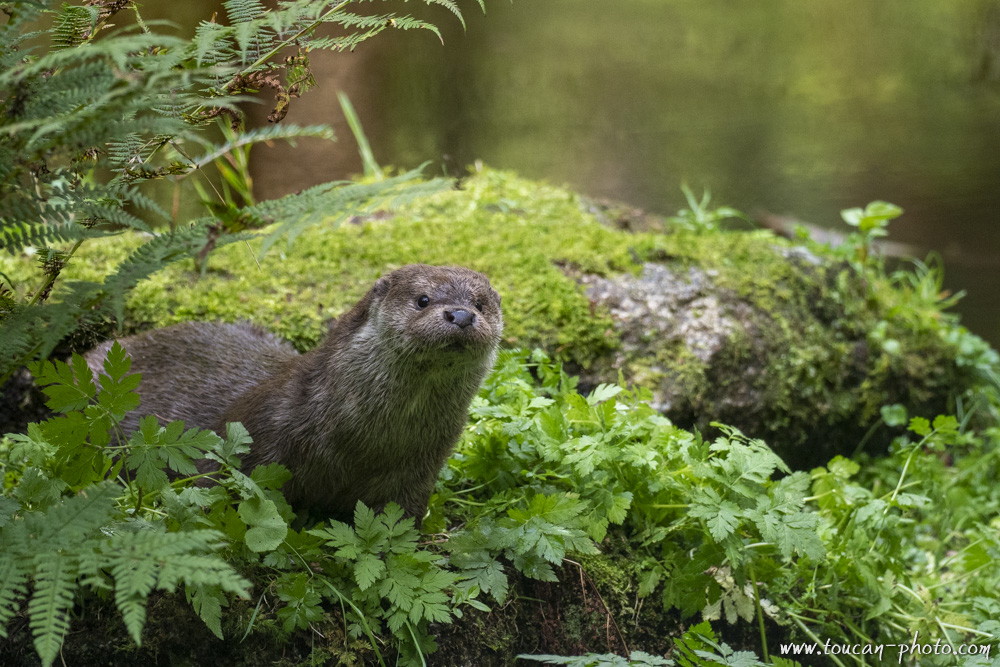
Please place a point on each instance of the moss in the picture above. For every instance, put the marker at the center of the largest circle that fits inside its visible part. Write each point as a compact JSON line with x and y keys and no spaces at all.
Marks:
{"x":516,"y":231}
{"x":820,"y":351}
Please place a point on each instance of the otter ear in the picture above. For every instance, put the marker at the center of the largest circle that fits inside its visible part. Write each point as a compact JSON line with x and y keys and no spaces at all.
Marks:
{"x":381,"y":286}
{"x":358,"y":315}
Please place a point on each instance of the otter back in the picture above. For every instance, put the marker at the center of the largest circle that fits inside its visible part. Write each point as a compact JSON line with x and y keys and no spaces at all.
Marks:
{"x":193,"y":371}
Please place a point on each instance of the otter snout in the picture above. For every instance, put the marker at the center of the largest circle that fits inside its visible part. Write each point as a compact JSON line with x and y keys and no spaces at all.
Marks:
{"x":461,"y":317}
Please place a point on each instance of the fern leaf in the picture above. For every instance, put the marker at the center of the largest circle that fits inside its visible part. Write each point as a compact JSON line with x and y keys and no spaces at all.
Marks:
{"x":144,"y":560}
{"x":134,"y":571}
{"x":73,"y":24}
{"x":55,"y":581}
{"x":147,"y":204}
{"x":201,"y":571}
{"x":210,"y":44}
{"x":451,"y":6}
{"x":270,"y":133}
{"x":333,"y":202}
{"x":208,"y":602}
{"x":74,"y":519}
{"x":183,"y":556}
{"x":151,"y":257}
{"x":12,"y":589}
{"x":127,"y":150}
{"x":242,"y":11}
{"x":16,"y":235}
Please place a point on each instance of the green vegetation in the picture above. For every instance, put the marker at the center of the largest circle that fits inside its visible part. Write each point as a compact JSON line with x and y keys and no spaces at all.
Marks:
{"x":817,"y":349}
{"x":91,"y":112}
{"x":857,"y":551}
{"x":659,"y":523}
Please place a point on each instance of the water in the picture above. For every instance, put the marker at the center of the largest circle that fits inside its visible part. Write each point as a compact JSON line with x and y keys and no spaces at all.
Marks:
{"x":780,"y":106}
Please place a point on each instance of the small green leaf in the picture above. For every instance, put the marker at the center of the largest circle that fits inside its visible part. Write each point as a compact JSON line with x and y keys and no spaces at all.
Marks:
{"x":920,"y":426}
{"x":602,"y":393}
{"x":267,"y":530}
{"x":894,"y":415}
{"x":852,"y":216}
{"x":270,"y":476}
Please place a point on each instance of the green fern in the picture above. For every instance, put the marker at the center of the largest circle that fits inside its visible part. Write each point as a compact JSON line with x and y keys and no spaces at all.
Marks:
{"x":83,"y":123}
{"x":334,"y":202}
{"x":241,"y":11}
{"x":55,"y":579}
{"x":68,"y":546}
{"x":272,"y":133}
{"x":142,"y":561}
{"x":73,"y":25}
{"x":13,"y":580}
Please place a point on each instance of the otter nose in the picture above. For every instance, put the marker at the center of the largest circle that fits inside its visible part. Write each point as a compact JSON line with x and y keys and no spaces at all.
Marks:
{"x":462,"y":318}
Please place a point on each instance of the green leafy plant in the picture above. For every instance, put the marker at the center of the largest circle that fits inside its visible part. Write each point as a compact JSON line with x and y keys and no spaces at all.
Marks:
{"x":712,"y":529}
{"x":697,"y":647}
{"x":102,"y":537}
{"x":849,"y":552}
{"x":872,"y":222}
{"x":698,"y":217}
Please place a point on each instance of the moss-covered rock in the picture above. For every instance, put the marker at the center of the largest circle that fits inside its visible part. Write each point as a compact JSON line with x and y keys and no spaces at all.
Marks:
{"x":744,"y":328}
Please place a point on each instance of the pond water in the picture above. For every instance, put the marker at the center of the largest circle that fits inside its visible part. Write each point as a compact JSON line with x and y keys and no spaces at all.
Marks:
{"x":777,"y":106}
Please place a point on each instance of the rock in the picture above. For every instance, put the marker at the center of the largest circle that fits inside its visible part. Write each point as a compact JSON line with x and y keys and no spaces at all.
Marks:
{"x":785,"y":341}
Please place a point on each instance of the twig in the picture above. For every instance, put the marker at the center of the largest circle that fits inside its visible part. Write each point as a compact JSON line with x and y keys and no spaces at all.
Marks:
{"x":607,"y":611}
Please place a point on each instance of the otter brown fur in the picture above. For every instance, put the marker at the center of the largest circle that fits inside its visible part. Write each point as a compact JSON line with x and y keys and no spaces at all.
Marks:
{"x":370,"y":414}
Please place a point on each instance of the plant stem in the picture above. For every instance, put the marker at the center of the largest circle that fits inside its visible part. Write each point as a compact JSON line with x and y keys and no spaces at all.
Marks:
{"x":51,"y":278}
{"x":760,"y":613}
{"x":294,"y":37}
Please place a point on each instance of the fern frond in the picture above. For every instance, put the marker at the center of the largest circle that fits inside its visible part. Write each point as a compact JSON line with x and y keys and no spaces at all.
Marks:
{"x":38,"y":329}
{"x":127,"y":150}
{"x":73,"y":24}
{"x":12,"y":589}
{"x":201,"y":571}
{"x":13,"y":39}
{"x":111,"y":212}
{"x":365,"y":27}
{"x":17,"y":344}
{"x":209,"y":45}
{"x":451,"y":6}
{"x":125,"y":52}
{"x":340,"y":43}
{"x":270,"y":133}
{"x":55,"y":582}
{"x":16,"y":235}
{"x":151,"y":257}
{"x":333,"y":202}
{"x":146,"y":203}
{"x":144,"y":560}
{"x":134,"y":566}
{"x":69,"y":88}
{"x":241,"y":11}
{"x":74,"y":519}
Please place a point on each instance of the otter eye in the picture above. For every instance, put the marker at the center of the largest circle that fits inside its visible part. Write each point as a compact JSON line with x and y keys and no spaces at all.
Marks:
{"x":423,"y":300}
{"x":479,"y":306}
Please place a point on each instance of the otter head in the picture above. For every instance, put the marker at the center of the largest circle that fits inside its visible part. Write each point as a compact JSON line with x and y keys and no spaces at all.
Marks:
{"x":448,"y":313}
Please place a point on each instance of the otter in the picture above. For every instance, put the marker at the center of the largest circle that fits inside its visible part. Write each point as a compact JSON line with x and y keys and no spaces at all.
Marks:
{"x":370,"y":414}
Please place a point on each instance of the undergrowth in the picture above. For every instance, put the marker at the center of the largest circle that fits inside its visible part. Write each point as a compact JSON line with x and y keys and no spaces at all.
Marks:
{"x":870,"y":551}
